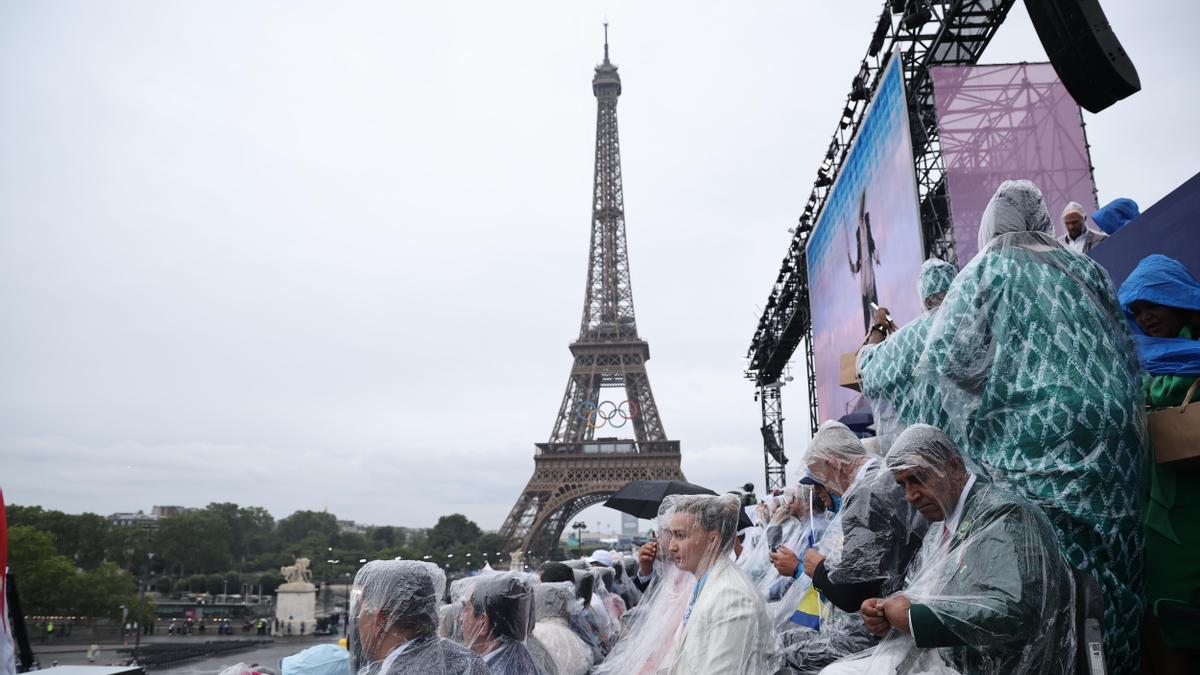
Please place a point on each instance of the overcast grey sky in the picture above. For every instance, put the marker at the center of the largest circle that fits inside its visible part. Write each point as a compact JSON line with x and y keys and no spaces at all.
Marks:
{"x":329,"y":255}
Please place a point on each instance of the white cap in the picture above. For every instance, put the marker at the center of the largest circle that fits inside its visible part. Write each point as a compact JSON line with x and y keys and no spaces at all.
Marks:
{"x":603,"y":557}
{"x":1074,"y":207}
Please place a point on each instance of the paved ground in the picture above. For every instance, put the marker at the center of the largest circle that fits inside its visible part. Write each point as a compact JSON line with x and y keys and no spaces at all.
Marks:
{"x":72,"y":653}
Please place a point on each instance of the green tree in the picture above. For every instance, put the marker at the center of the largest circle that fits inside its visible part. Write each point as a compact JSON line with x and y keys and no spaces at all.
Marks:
{"x":451,"y":531}
{"x":198,"y":541}
{"x":45,"y":579}
{"x":102,"y":591}
{"x":386,"y":536}
{"x":270,"y":581}
{"x":83,"y":538}
{"x":315,"y":528}
{"x":215,"y":584}
{"x":251,"y":529}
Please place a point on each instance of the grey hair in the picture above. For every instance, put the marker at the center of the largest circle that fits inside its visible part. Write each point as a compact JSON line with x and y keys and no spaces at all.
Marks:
{"x":405,"y":591}
{"x":712,"y":514}
{"x":924,"y":447}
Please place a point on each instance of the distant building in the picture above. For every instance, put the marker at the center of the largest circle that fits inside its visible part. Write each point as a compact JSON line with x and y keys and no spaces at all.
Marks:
{"x":351,"y":527}
{"x":131,"y":519}
{"x":143,"y":519}
{"x":629,"y":525}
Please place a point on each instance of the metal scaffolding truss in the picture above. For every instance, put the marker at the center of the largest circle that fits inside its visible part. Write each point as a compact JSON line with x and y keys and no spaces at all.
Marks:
{"x":927,"y":34}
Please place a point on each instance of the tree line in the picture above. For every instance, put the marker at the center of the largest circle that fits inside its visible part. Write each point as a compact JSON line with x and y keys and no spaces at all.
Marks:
{"x":82,"y":564}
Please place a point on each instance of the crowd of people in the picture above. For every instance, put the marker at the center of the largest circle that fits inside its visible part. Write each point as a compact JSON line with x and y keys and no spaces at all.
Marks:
{"x":1010,"y":468}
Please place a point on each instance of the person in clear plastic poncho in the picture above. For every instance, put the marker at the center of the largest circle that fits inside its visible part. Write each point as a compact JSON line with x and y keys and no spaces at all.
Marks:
{"x":782,"y":523}
{"x":1039,"y":380}
{"x":864,"y":553}
{"x":990,"y":592}
{"x":394,"y":612}
{"x":701,"y":614}
{"x":725,"y":627}
{"x":553,"y":604}
{"x":647,"y":639}
{"x":497,"y":616}
{"x":887,"y":362}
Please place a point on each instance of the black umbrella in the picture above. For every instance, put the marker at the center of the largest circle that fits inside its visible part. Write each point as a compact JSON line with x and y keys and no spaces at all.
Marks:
{"x":641,"y":498}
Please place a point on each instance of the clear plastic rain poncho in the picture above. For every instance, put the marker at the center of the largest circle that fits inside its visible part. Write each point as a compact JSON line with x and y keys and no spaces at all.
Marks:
{"x":595,"y":615}
{"x":1040,"y":383}
{"x":648,"y":635}
{"x":886,"y":369}
{"x":612,"y":603}
{"x":395,"y":603}
{"x":631,"y":594}
{"x":725,"y":627}
{"x":783,"y":522}
{"x":867,"y":549}
{"x":990,"y":593}
{"x":497,"y":616}
{"x":553,"y":605}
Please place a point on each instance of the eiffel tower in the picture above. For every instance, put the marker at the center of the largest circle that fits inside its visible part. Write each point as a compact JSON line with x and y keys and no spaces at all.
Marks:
{"x":586,"y":460}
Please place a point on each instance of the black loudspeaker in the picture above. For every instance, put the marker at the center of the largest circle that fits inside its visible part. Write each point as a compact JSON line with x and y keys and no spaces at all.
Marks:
{"x":1084,"y":51}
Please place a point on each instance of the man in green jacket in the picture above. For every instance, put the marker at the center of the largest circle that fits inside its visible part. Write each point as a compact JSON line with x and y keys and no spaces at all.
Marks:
{"x":989,"y":591}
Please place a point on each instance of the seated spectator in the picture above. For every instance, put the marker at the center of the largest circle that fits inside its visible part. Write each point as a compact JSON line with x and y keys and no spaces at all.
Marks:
{"x":496,"y":620}
{"x":880,"y":533}
{"x":1115,"y":214}
{"x":650,"y":629}
{"x":990,"y":592}
{"x":394,"y":605}
{"x":1162,"y":301}
{"x":555,"y":572}
{"x":864,"y":553}
{"x":887,"y":361}
{"x":552,"y":611}
{"x":1039,"y":379}
{"x":725,"y":626}
{"x":1079,"y":237}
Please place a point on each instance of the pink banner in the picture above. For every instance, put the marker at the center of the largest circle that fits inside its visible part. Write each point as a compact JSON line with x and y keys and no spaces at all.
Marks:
{"x":1005,"y":122}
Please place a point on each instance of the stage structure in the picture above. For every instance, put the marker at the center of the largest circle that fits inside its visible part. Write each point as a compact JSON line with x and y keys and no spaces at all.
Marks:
{"x":586,"y":461}
{"x":1000,"y":121}
{"x":928,"y":34}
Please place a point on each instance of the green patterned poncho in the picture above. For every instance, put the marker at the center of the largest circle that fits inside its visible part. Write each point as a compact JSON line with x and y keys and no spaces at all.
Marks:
{"x":1039,"y":379}
{"x":886,"y":369}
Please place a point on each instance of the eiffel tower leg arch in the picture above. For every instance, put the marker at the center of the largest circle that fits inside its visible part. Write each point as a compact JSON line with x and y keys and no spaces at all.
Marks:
{"x":565,"y":483}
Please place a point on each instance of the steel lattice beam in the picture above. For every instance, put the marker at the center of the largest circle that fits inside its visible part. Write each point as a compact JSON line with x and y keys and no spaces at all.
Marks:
{"x":956,"y":33}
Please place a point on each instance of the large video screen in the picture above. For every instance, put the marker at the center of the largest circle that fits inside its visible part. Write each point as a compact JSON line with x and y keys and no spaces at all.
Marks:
{"x":866,"y":245}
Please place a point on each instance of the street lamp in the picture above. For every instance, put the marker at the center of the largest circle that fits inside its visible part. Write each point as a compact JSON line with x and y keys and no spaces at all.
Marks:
{"x":579,"y":526}
{"x":325,"y":604}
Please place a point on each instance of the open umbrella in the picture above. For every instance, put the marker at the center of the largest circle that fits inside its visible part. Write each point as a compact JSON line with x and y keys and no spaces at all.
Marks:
{"x":641,"y":498}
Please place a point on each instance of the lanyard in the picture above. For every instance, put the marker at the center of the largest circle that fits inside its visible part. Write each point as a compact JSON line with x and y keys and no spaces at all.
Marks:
{"x":695,"y":594}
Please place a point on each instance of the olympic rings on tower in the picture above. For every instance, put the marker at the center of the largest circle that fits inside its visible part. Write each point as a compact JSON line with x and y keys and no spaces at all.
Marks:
{"x":615,"y":415}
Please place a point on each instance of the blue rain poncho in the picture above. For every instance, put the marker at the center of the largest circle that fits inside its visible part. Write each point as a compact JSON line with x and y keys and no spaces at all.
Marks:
{"x":1163,"y":281}
{"x":1115,"y":214}
{"x":318,"y":660}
